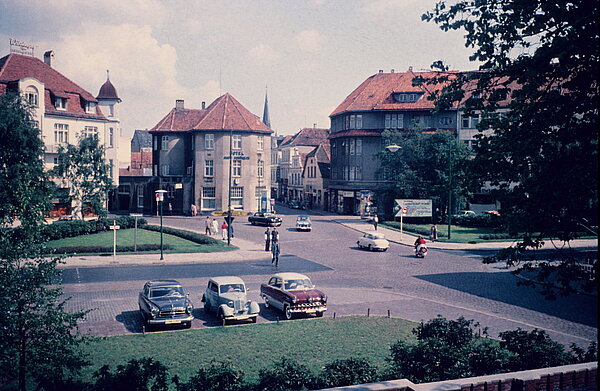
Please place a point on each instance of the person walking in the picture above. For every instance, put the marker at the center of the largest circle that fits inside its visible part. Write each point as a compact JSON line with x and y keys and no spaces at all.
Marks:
{"x":207,"y":226}
{"x":275,"y":251}
{"x":267,"y":240}
{"x":193,"y":210}
{"x":215,"y":226}
{"x":375,"y":221}
{"x":433,"y":233}
{"x":274,"y":236}
{"x":224,"y":230}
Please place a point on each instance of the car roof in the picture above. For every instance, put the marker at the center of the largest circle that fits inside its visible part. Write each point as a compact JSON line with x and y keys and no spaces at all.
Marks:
{"x":290,"y":276}
{"x":227,"y":280}
{"x":377,"y":235}
{"x":158,"y":283}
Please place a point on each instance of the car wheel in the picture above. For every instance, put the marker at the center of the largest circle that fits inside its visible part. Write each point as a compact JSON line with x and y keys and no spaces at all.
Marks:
{"x":370,"y":248}
{"x":384,"y":249}
{"x":287,"y":312}
{"x":187,"y":325}
{"x":254,"y":319}
{"x":221,"y":317}
{"x":319,"y":314}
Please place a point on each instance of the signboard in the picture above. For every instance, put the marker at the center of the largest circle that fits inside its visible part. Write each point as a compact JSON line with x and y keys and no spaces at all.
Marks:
{"x":178,"y":186}
{"x":347,"y":193}
{"x":413,"y":208}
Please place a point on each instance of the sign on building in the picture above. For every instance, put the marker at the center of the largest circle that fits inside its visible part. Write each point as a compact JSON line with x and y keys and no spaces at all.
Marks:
{"x":413,"y":208}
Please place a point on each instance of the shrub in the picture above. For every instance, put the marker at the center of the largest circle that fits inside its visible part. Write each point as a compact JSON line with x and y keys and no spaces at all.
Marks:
{"x":69,"y":229}
{"x":477,"y":221}
{"x":105,"y":249}
{"x":534,"y":349}
{"x":191,"y":236}
{"x":495,"y":236}
{"x":140,"y":375}
{"x":285,"y":375}
{"x":423,"y":231}
{"x":217,"y":377}
{"x":348,"y":372}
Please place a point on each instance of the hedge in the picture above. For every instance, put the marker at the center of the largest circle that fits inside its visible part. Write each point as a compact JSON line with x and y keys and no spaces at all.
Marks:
{"x":69,"y":229}
{"x":423,"y":231}
{"x":477,"y":221}
{"x":191,"y":236}
{"x":106,"y":249}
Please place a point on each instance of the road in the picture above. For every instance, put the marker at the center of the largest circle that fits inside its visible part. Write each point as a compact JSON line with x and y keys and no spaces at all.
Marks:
{"x":448,"y":283}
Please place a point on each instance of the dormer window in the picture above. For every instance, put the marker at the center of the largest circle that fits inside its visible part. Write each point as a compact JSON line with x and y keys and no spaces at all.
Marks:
{"x":90,"y":107}
{"x":31,"y":96}
{"x":407,"y":96}
{"x":61,"y":103}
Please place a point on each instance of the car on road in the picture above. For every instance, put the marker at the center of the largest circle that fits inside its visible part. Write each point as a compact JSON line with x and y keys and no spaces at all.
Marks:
{"x":295,"y":204}
{"x":303,"y":223}
{"x":265,"y":218}
{"x":226,"y":296}
{"x":293,"y":293}
{"x":373,"y":242}
{"x":164,"y":302}
{"x":466,"y":213}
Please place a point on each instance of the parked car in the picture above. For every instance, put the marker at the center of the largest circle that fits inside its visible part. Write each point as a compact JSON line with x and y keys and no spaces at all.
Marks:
{"x":293,"y":293}
{"x":303,"y":223}
{"x":164,"y":302}
{"x":491,"y":212}
{"x":373,"y":241}
{"x":264,"y":218}
{"x":466,"y":213}
{"x":295,"y":204}
{"x":226,"y":296}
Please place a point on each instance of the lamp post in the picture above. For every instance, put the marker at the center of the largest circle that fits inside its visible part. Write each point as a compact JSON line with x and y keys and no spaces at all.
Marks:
{"x":396,"y":148}
{"x":229,"y":221}
{"x":449,"y":187}
{"x":160,"y":196}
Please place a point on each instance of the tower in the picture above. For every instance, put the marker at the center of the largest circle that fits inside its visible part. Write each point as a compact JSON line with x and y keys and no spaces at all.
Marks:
{"x":266,"y":120}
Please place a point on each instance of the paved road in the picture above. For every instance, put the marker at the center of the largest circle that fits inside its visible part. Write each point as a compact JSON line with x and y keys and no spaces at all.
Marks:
{"x":452,"y":283}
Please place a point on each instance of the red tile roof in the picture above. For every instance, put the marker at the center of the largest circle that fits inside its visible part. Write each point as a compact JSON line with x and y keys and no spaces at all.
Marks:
{"x":307,"y":137}
{"x":224,"y":113}
{"x":15,"y":66}
{"x":108,"y":91}
{"x":376,"y":93}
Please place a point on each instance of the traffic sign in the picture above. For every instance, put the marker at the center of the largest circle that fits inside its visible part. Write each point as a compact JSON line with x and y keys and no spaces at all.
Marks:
{"x":404,"y":210}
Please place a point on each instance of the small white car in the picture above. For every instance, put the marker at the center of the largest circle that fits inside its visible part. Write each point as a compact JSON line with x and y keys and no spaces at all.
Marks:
{"x":303,"y":223}
{"x":373,"y":241}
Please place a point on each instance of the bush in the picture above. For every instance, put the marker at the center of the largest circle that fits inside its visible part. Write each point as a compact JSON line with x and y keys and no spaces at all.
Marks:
{"x":217,"y":377}
{"x":191,"y":236}
{"x":533,"y":350}
{"x":145,"y":374}
{"x":105,"y":249}
{"x":286,"y":375}
{"x":69,"y":229}
{"x":423,"y":231}
{"x":477,"y":221}
{"x":495,"y":236}
{"x":348,"y":372}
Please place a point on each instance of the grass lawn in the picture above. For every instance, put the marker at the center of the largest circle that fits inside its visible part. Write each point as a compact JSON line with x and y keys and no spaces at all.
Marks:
{"x":125,"y":237}
{"x":313,"y":342}
{"x":459,"y":234}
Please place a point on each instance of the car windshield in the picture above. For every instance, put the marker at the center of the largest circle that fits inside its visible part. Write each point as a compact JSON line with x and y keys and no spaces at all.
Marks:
{"x":231,"y":288}
{"x":298,"y":284}
{"x":378,"y":236}
{"x":303,"y":219}
{"x":171,"y":291}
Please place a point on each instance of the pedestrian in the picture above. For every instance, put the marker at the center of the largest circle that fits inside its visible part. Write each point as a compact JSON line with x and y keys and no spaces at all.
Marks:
{"x":275,"y":251}
{"x":193,"y":210}
{"x":215,"y":226}
{"x":170,"y":207}
{"x":433,"y":234}
{"x":224,"y":230}
{"x":267,"y":240}
{"x":375,"y":221}
{"x":207,"y":226}
{"x":274,"y":236}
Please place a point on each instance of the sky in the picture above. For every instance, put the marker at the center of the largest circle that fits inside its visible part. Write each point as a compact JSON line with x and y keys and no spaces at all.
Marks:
{"x":308,"y":55}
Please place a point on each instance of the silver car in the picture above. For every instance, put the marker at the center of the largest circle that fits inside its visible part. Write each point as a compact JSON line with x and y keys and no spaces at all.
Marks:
{"x":226,"y":296}
{"x":303,"y":223}
{"x":373,"y":241}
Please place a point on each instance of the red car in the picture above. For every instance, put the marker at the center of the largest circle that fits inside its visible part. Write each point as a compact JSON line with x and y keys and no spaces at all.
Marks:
{"x":293,"y":293}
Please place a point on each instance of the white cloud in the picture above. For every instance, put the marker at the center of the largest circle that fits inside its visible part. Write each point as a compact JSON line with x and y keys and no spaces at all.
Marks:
{"x":264,"y":53}
{"x":106,"y":11}
{"x":310,"y":40}
{"x":384,"y":7}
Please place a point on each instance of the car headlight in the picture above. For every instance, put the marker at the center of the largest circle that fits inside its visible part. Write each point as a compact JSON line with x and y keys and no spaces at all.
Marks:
{"x":154,"y":311}
{"x":294,"y":300}
{"x":324,"y":299}
{"x":230,"y":303}
{"x":190,"y":308}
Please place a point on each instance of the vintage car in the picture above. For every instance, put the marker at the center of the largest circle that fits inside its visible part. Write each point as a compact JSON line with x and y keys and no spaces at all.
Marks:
{"x":295,"y":204}
{"x":264,"y":218}
{"x":226,"y":296}
{"x":373,"y":241}
{"x":293,"y":293}
{"x":303,"y":223}
{"x":164,"y":302}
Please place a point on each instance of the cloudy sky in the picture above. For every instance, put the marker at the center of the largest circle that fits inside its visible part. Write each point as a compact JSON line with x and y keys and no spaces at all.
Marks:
{"x":310,"y":54}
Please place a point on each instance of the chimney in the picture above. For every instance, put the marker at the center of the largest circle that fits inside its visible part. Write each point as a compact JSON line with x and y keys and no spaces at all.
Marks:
{"x":392,"y":71}
{"x":381,"y":71}
{"x":203,"y":105}
{"x":49,"y":57}
{"x":314,"y":125}
{"x":410,"y":68}
{"x":179,"y":104}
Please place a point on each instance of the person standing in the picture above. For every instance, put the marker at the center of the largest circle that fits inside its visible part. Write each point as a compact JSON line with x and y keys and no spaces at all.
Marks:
{"x":193,"y":210}
{"x":215,"y":226}
{"x":433,"y":234}
{"x":170,"y":207}
{"x":274,"y":236}
{"x":275,"y":251}
{"x":207,"y":226}
{"x":375,"y":221}
{"x":267,"y":240}
{"x":224,"y":230}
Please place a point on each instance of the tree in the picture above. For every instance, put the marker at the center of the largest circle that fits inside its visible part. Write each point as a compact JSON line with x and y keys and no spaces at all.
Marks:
{"x":348,"y":372}
{"x":145,"y":374}
{"x":39,"y":338}
{"x":534,"y":349}
{"x":539,"y":60}
{"x":86,"y":173}
{"x":285,"y":375}
{"x":427,"y":166}
{"x":217,"y":377}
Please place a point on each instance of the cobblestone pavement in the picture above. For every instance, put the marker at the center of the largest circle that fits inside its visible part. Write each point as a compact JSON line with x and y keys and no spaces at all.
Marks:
{"x":451,"y":282}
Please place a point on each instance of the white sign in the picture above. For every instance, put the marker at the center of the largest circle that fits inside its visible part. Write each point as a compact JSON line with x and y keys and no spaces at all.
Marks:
{"x":414,"y":208}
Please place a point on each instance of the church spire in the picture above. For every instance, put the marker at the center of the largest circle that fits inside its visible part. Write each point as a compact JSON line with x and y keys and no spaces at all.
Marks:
{"x":266,"y":120}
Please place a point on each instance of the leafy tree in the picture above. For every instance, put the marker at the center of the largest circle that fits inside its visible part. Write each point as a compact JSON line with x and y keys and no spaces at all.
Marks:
{"x":348,"y":372}
{"x":427,"y":166}
{"x":39,"y":337}
{"x":532,"y":350}
{"x":539,"y":60}
{"x":86,"y":173}
{"x":217,"y":377}
{"x":285,"y":375}
{"x":145,"y":374}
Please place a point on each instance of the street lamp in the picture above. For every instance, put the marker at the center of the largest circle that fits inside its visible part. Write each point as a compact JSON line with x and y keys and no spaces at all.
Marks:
{"x":393,"y":148}
{"x":229,"y":220}
{"x":160,"y":196}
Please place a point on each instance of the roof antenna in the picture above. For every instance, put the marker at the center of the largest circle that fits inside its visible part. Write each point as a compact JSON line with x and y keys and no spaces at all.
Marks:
{"x":107,"y":76}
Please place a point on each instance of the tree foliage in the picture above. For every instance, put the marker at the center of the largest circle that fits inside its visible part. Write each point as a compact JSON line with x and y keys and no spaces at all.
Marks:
{"x":348,"y":372}
{"x":145,"y":374}
{"x":539,"y":64}
{"x":286,"y":374}
{"x":85,"y":172}
{"x":217,"y":377}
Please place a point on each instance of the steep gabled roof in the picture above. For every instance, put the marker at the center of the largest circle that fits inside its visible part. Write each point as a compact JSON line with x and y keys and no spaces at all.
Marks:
{"x":307,"y":137}
{"x":141,"y":139}
{"x":224,"y":113}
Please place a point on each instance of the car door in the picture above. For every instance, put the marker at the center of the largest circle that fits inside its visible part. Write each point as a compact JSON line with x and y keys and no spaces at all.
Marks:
{"x":143,"y":299}
{"x":276,"y":285}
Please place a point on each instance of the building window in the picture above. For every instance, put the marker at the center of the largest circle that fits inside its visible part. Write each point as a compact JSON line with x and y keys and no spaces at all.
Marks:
{"x":355,"y":121}
{"x":61,"y":104}
{"x":31,"y":96}
{"x":352,"y":173}
{"x":111,"y":136}
{"x":90,"y":107}
{"x":61,"y":133}
{"x":358,"y":147}
{"x":445,"y":121}
{"x":164,"y":169}
{"x":111,"y":110}
{"x":110,"y":168}
{"x":209,"y":141}
{"x":237,"y":168}
{"x":352,"y":146}
{"x":260,"y":145}
{"x":209,"y":167}
{"x":208,"y":198}
{"x":470,"y":122}
{"x":165,"y":143}
{"x":359,"y":173}
{"x":394,"y":121}
{"x":90,"y":131}
{"x":261,"y":169}
{"x":237,"y":197}
{"x":237,"y":141}
{"x":140,"y":196}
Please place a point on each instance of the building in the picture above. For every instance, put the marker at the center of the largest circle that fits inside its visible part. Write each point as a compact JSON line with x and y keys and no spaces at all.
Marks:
{"x":200,"y":155}
{"x":293,"y":155}
{"x":136,"y":182}
{"x":63,"y":111}
{"x":315,"y":177}
{"x":384,"y":101}
{"x":276,"y":141}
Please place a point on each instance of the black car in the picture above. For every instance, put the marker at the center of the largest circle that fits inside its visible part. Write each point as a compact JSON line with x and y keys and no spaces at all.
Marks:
{"x":295,"y":204}
{"x":164,"y":302}
{"x":264,"y":218}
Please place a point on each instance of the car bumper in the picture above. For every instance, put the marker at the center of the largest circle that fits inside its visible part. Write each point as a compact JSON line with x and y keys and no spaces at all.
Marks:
{"x":303,"y":228}
{"x":241,"y":317}
{"x":310,"y":310}
{"x":165,"y":321}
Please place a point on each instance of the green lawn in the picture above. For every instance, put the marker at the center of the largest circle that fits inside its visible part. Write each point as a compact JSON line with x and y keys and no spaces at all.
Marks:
{"x":251,"y":347}
{"x":125,"y":237}
{"x":459,"y":234}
